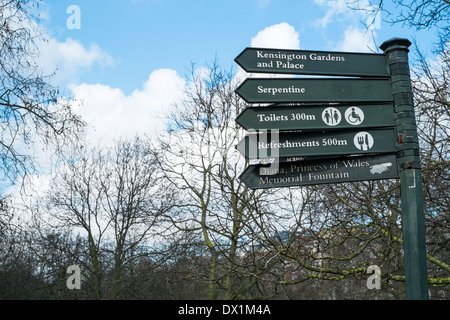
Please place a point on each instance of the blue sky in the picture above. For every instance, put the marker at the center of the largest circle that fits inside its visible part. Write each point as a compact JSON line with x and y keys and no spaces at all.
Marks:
{"x":127,"y":63}
{"x":145,"y":35}
{"x":128,"y":60}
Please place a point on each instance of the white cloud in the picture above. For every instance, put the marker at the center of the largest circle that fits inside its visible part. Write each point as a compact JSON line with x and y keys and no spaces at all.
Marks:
{"x":279,"y":36}
{"x":263,"y":3}
{"x":69,"y":59}
{"x":336,"y":10}
{"x":333,"y":8}
{"x":66,"y":59}
{"x":356,"y":40}
{"x":361,"y":18}
{"x":112,"y":114}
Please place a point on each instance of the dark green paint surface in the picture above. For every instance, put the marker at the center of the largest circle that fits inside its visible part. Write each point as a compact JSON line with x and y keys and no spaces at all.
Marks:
{"x":270,"y":90}
{"x":321,"y":171}
{"x":273,"y":144}
{"x":259,"y":60}
{"x":314,"y":117}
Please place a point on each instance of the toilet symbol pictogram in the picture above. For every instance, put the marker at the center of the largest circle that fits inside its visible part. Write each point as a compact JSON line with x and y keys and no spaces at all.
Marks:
{"x":331,"y":116}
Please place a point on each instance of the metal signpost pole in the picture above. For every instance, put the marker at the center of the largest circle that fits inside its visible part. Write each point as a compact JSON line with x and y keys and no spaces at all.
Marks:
{"x":416,"y":278}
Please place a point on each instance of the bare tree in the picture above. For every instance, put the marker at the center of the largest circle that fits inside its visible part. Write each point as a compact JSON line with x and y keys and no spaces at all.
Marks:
{"x":414,"y":14}
{"x":432,"y":100}
{"x":199,"y":161}
{"x":31,"y":110}
{"x":113,"y":198}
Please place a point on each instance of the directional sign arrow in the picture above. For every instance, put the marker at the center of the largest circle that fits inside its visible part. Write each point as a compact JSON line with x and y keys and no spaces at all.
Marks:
{"x":317,"y":117}
{"x":267,"y":90}
{"x":321,"y":171}
{"x":312,"y":62}
{"x":275,"y":144}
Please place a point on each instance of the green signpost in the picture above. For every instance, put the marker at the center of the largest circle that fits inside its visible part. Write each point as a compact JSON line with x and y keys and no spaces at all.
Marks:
{"x":321,"y":171}
{"x":267,"y":90}
{"x":292,"y":144}
{"x":312,"y":62}
{"x":335,"y":130}
{"x":317,"y":117}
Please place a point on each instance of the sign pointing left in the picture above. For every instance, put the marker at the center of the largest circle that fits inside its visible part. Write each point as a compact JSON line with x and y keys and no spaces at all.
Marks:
{"x":321,"y":171}
{"x":255,"y":90}
{"x":272,"y":144}
{"x":313,"y":62}
{"x":317,"y":117}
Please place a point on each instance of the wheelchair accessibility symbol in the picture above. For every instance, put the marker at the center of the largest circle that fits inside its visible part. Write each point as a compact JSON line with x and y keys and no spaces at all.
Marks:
{"x":354,"y":116}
